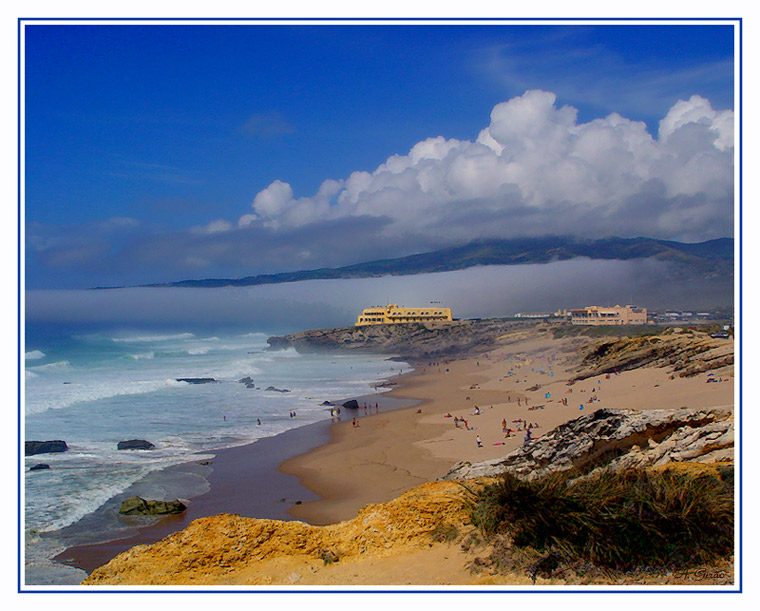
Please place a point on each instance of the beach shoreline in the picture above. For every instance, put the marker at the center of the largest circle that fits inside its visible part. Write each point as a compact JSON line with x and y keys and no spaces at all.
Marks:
{"x":528,"y":379}
{"x":232,"y":471}
{"x":526,"y":382}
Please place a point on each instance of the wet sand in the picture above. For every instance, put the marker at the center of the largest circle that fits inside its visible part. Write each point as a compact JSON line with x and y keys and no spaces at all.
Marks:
{"x":244,"y":480}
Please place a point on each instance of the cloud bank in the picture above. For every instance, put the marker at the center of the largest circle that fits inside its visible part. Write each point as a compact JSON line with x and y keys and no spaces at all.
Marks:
{"x":477,"y":292}
{"x":533,"y":170}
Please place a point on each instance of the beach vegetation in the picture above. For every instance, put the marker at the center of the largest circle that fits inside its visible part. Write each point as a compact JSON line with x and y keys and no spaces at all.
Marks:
{"x":444,"y":533}
{"x":662,"y":518}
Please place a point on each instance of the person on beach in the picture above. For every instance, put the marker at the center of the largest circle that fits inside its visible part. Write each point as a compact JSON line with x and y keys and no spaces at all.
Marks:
{"x":258,"y":421}
{"x":479,"y":441}
{"x":503,"y":425}
{"x":527,"y":437}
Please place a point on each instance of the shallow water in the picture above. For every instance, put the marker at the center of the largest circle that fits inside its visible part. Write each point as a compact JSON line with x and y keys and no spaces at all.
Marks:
{"x":98,"y":387}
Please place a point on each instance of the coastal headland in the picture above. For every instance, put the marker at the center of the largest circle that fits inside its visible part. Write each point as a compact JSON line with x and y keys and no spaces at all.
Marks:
{"x":394,"y":492}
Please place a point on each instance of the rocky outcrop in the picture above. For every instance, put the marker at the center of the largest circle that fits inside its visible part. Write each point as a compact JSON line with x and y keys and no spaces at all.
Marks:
{"x":210,"y":548}
{"x":135,"y":444}
{"x":44,"y":447}
{"x":616,"y":439}
{"x":135,"y":505}
{"x":273,"y":389}
{"x":685,"y":352}
{"x":248,"y":382}
{"x":351,"y":404}
{"x":39,"y":467}
{"x":412,"y":340}
{"x":197,"y":380}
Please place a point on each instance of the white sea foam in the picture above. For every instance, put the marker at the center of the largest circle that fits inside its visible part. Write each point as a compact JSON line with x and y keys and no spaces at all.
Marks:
{"x":154,"y":338}
{"x":34,"y":354}
{"x":50,"y":366}
{"x":71,"y":394}
{"x":115,"y":391}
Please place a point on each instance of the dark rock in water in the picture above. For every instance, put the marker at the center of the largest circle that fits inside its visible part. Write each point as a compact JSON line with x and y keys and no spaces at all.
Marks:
{"x":351,"y":404}
{"x":44,"y":447}
{"x":39,"y":467}
{"x":136,"y":505}
{"x":248,"y":381}
{"x":135,"y":444}
{"x":197,"y":380}
{"x":277,"y":389}
{"x":325,"y":403}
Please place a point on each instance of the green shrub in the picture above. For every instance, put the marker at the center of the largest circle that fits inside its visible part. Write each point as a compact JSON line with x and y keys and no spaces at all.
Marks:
{"x":619,"y":520}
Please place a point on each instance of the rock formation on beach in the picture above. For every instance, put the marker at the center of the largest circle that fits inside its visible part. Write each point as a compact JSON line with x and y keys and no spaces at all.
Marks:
{"x":197,"y":380}
{"x":44,"y":447}
{"x":135,"y":444}
{"x":686,"y":351}
{"x":616,"y":439}
{"x":210,"y":548}
{"x":411,"y":340}
{"x":135,"y":505}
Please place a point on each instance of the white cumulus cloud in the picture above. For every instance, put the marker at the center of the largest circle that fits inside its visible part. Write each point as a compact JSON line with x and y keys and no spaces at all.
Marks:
{"x":536,"y":170}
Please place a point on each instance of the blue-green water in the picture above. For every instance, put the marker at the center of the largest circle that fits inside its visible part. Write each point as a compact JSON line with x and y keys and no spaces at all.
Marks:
{"x":95,"y":387}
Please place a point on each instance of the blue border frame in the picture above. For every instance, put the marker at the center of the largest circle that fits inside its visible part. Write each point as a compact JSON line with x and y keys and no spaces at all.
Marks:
{"x":736,"y":21}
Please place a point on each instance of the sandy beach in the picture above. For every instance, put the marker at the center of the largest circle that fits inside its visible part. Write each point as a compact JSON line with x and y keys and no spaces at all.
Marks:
{"x":325,"y":473}
{"x":522,"y":382}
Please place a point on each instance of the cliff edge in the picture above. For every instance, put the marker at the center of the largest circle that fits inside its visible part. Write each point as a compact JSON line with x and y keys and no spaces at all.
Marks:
{"x":412,"y":340}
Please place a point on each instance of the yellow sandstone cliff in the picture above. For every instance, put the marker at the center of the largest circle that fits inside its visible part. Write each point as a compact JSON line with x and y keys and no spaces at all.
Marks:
{"x":392,"y":543}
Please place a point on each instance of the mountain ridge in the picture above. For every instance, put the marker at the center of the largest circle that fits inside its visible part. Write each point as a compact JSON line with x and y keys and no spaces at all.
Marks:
{"x":708,"y":258}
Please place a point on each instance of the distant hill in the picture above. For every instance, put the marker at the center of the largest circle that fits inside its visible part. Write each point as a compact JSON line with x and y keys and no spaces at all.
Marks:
{"x":704,"y":259}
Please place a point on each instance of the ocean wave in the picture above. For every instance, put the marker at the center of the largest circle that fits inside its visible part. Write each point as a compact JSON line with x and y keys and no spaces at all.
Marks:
{"x":34,"y":354}
{"x":50,"y":366}
{"x":287,"y":353}
{"x":154,"y":338}
{"x":82,"y":393}
{"x":142,"y":355}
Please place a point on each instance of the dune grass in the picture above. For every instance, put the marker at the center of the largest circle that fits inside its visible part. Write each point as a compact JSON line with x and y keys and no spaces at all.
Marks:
{"x":634,"y":518}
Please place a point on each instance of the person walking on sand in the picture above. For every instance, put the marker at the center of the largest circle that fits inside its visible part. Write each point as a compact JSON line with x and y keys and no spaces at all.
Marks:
{"x":503,"y":425}
{"x":479,"y":441}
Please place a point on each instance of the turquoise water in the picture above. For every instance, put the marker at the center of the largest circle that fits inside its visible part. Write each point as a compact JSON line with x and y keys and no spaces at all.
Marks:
{"x":95,"y":387}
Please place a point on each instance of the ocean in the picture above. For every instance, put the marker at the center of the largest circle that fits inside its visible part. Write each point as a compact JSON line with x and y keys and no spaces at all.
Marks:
{"x":94,"y":387}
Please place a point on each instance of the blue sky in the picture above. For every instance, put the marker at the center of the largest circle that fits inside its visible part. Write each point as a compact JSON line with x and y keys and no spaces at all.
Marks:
{"x":158,"y":153}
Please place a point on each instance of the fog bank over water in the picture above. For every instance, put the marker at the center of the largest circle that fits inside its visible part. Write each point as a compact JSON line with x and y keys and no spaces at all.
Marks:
{"x":475,"y":292}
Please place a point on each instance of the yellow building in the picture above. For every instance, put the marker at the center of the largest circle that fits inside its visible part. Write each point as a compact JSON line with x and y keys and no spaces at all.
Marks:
{"x":617,"y":315}
{"x":393,"y":314}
